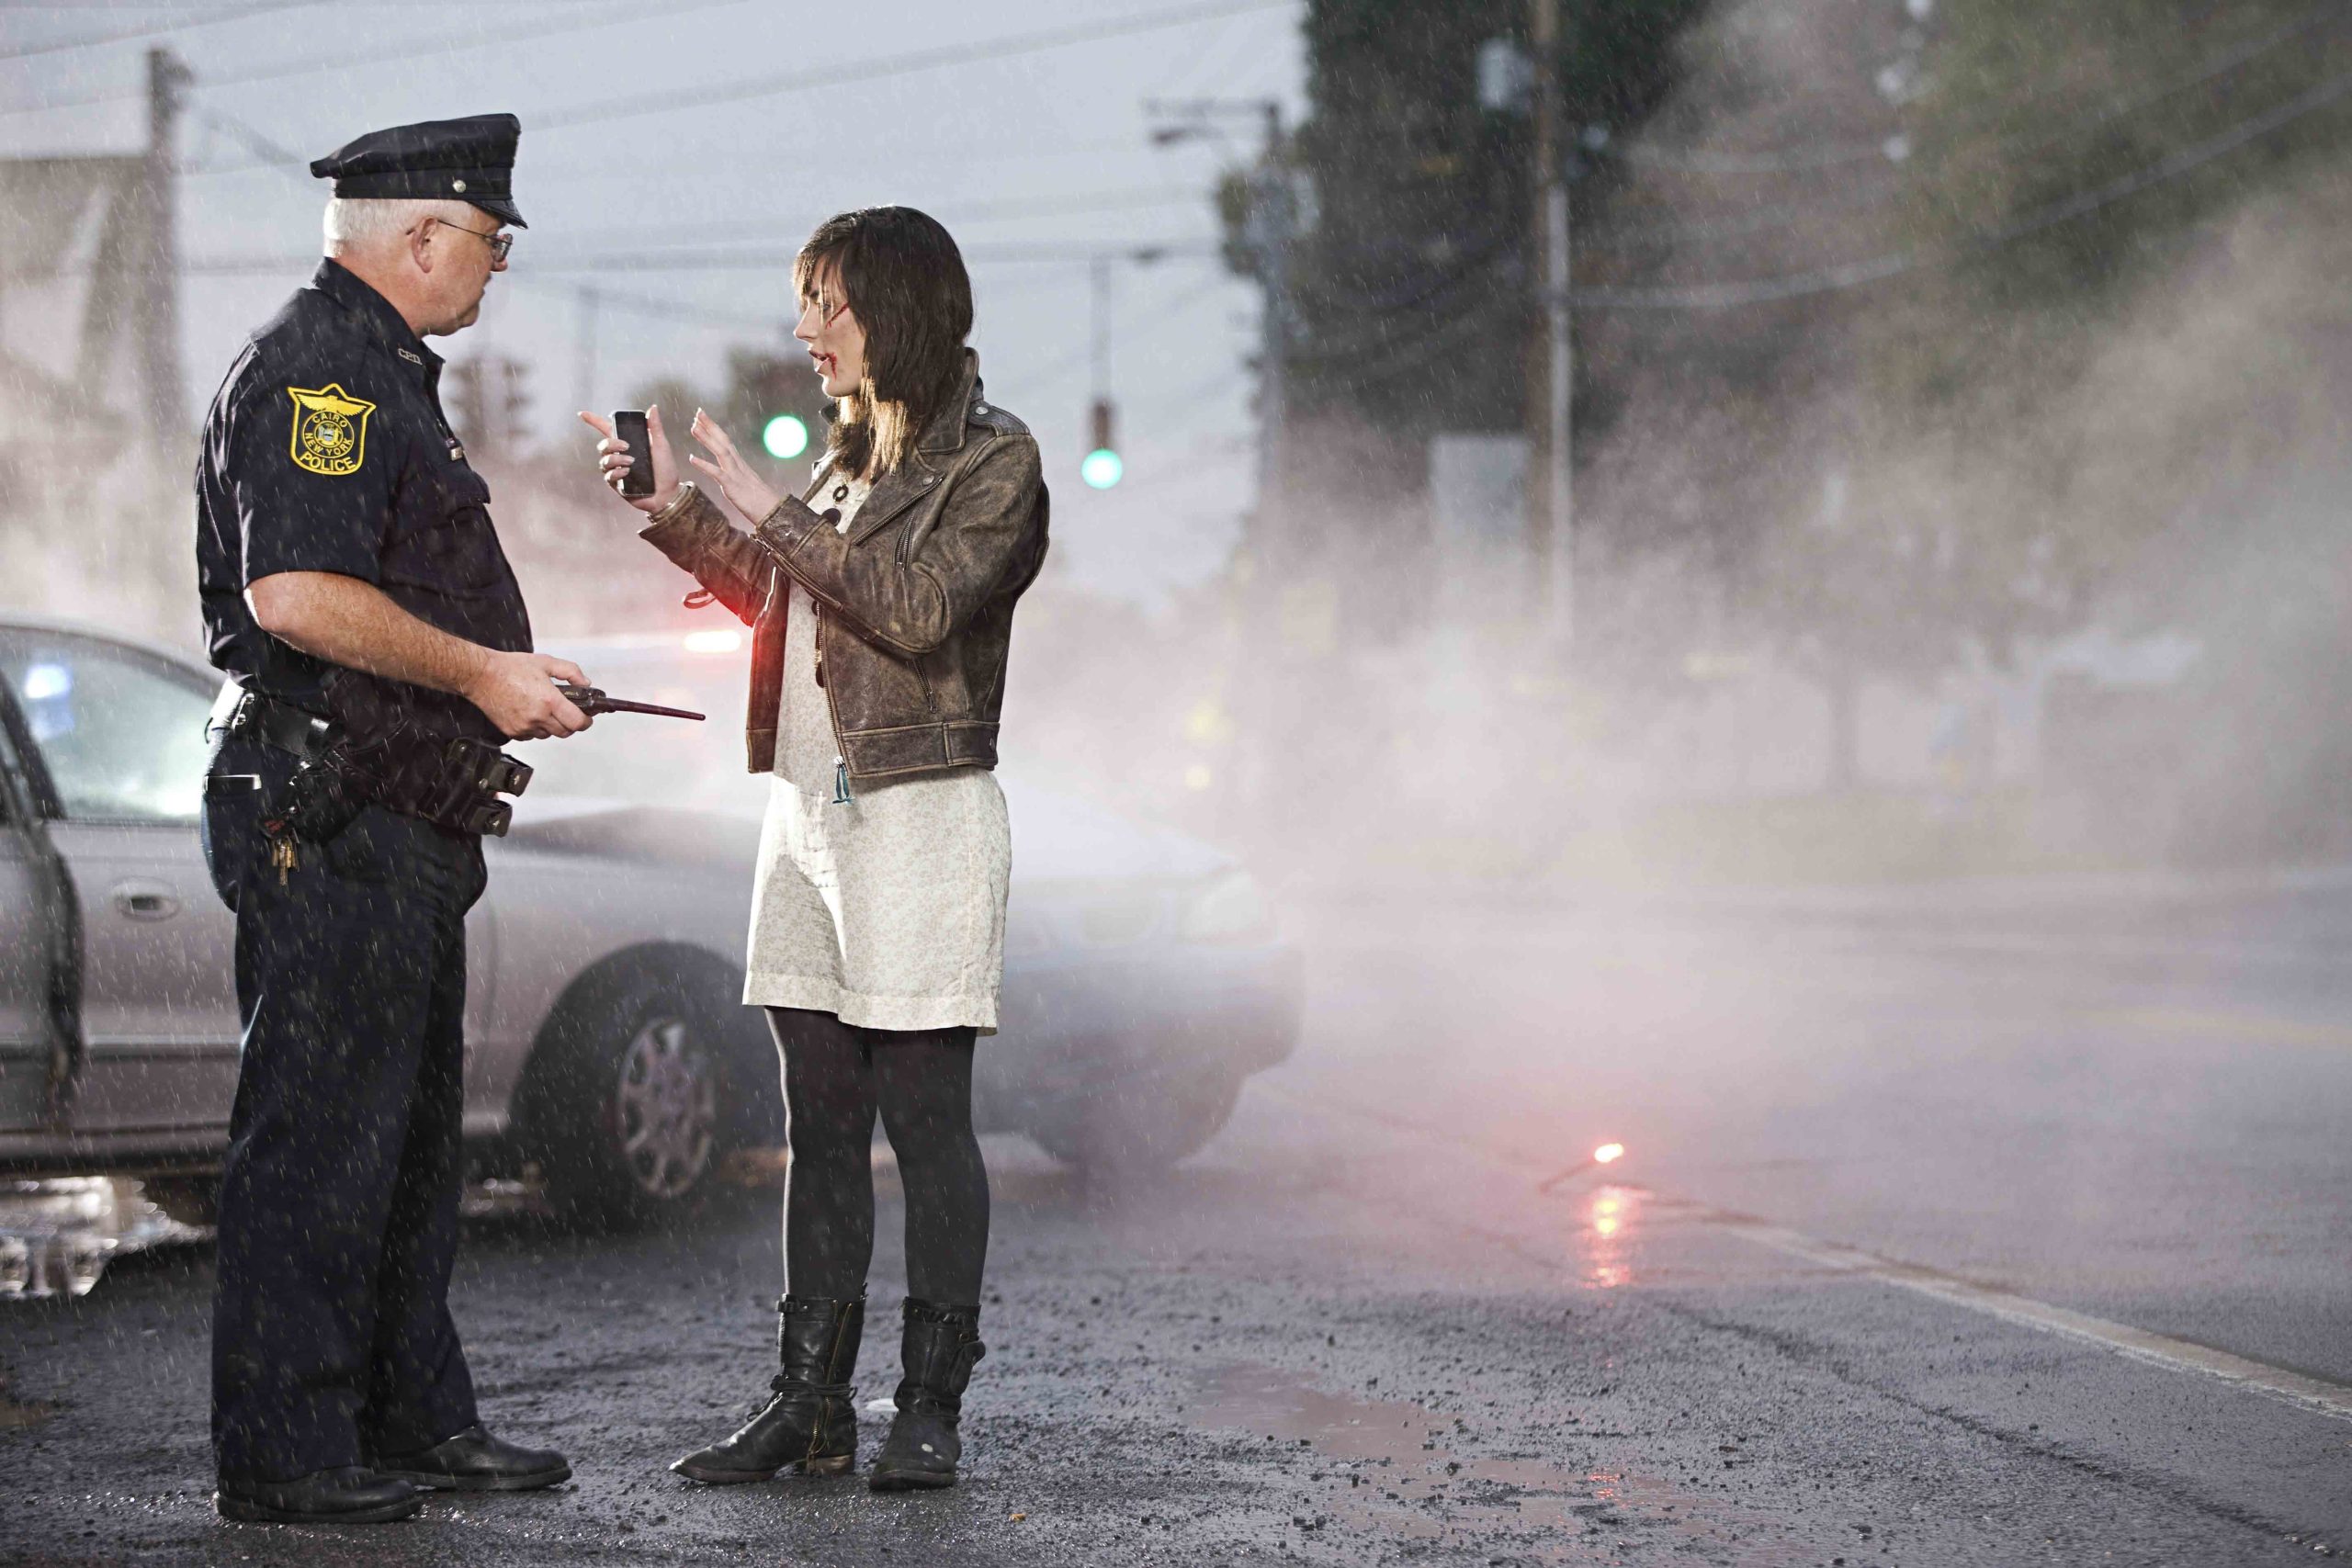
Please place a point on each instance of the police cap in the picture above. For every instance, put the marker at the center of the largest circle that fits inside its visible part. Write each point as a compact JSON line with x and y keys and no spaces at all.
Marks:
{"x":470,"y":159}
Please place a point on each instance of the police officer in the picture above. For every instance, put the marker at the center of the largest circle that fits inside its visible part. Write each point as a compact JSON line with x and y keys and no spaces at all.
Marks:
{"x":356,"y":595}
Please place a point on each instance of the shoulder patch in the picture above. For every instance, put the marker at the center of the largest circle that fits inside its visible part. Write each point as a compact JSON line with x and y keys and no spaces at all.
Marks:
{"x":330,"y":434}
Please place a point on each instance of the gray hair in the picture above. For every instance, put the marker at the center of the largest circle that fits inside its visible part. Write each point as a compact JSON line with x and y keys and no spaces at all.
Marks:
{"x":364,"y":223}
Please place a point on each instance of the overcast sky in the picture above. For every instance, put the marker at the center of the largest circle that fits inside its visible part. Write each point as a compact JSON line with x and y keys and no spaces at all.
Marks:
{"x":653,"y":126}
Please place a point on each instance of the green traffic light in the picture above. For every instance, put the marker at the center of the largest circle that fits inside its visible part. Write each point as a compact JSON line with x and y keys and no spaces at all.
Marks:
{"x":786,"y":437}
{"x":1102,"y":469}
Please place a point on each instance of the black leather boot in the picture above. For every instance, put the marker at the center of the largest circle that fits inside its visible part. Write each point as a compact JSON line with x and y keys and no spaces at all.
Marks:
{"x":811,"y":1424}
{"x":938,"y":1347}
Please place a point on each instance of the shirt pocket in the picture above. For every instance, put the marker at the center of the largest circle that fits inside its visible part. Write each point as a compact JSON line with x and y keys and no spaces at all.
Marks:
{"x":443,"y":538}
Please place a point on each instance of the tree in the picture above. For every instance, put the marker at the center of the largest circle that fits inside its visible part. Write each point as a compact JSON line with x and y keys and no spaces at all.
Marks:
{"x":1414,"y":305}
{"x":2137,"y":165}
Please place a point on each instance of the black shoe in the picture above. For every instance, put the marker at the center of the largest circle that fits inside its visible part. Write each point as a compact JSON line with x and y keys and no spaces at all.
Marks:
{"x":473,"y":1461}
{"x":811,"y":1424}
{"x":938,"y":1348}
{"x":352,"y":1494}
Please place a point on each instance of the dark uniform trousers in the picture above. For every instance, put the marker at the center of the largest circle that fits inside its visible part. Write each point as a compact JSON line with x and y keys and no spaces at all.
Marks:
{"x":331,"y":1338}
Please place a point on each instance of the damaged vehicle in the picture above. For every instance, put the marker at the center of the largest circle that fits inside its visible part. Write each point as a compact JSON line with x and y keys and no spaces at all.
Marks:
{"x":608,"y":1056}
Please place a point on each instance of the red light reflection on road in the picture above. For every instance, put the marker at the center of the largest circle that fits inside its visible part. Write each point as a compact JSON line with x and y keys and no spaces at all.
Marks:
{"x":1609,"y":1219}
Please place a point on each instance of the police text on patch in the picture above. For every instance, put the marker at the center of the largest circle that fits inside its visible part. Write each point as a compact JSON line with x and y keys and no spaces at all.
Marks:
{"x":330,"y":433}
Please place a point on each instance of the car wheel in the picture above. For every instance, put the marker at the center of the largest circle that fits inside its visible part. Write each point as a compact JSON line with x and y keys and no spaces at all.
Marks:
{"x":636,"y":1117}
{"x":1139,"y":1129}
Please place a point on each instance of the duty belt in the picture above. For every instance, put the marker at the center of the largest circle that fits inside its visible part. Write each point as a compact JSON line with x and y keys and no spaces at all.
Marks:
{"x":452,"y":781}
{"x":250,"y":716}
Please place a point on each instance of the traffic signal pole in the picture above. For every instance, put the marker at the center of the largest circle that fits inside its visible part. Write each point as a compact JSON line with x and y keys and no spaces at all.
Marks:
{"x":1269,"y":232}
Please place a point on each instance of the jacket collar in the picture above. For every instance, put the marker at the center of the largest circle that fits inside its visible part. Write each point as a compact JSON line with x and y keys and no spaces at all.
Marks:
{"x":945,"y":431}
{"x":894,"y":491}
{"x":375,"y":312}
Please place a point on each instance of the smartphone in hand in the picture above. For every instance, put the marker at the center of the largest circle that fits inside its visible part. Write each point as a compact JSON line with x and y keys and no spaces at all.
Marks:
{"x":628,"y":426}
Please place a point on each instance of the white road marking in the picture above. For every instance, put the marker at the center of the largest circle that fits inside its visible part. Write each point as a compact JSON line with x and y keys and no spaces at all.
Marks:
{"x":2317,"y":1395}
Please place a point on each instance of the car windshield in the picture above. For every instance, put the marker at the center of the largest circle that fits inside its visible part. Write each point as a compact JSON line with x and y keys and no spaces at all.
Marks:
{"x":120,"y":731}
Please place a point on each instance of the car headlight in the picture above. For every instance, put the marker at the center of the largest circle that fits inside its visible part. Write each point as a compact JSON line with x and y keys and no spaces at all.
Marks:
{"x":1230,"y":908}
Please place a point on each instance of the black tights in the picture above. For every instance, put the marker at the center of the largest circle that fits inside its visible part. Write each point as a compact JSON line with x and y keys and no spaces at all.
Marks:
{"x":836,"y":1076}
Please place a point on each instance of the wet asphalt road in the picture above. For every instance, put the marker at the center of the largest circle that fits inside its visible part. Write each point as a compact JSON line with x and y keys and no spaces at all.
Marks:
{"x":1356,"y":1330}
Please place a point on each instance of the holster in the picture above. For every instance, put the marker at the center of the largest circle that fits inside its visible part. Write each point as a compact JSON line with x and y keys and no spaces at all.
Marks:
{"x":452,"y":781}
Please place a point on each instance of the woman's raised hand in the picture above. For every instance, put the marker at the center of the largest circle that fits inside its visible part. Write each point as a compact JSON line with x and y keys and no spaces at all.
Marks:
{"x":744,"y":490}
{"x":613,"y":459}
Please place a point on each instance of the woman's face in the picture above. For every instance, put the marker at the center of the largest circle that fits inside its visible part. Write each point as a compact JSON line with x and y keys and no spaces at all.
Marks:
{"x":836,"y":342}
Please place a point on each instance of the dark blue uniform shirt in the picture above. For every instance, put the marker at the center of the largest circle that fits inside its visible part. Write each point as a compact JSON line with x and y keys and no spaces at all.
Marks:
{"x":326,"y":450}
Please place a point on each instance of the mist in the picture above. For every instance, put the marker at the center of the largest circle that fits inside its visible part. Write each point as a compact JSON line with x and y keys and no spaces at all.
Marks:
{"x":1902,"y":809}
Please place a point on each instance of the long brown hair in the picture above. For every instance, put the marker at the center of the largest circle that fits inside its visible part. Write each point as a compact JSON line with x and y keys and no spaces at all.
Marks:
{"x":902,"y":275}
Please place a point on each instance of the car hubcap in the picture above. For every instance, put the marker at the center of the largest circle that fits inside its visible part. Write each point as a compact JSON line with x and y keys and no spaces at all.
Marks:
{"x":666,"y":1108}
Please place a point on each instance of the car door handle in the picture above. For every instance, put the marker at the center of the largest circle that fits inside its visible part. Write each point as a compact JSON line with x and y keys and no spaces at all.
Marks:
{"x":139,"y":900}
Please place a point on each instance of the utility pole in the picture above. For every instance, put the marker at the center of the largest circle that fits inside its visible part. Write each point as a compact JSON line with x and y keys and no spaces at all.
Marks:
{"x":156,"y":261}
{"x":1551,"y":418}
{"x":1273,"y":217}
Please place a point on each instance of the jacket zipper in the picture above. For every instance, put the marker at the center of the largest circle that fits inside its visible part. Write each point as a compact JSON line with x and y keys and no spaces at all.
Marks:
{"x":841,"y":761}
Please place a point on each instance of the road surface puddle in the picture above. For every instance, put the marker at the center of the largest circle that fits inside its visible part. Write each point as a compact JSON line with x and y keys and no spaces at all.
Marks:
{"x":1386,"y":1466}
{"x":56,"y":1237}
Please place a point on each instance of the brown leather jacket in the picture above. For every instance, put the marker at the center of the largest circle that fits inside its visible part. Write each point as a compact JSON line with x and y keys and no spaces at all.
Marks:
{"x":914,"y":612}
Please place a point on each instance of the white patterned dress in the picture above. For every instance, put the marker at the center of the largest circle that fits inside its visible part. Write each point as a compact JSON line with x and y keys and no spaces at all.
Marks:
{"x":888,"y":911}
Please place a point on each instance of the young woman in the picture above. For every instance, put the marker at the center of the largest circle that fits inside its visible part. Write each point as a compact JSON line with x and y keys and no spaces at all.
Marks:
{"x":881,"y":608}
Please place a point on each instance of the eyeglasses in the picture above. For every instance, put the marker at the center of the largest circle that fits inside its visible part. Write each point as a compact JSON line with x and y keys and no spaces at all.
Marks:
{"x":498,"y":244}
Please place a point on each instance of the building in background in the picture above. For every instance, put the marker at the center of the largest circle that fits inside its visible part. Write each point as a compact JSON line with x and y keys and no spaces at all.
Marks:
{"x":95,"y":448}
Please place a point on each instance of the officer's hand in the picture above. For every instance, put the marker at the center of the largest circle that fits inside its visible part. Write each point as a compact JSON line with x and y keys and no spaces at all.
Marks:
{"x":745,"y":491}
{"x":613,"y":459}
{"x":517,"y":693}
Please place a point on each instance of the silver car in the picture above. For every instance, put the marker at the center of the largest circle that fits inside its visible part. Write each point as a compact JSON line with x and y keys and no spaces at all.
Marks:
{"x":608,"y":1055}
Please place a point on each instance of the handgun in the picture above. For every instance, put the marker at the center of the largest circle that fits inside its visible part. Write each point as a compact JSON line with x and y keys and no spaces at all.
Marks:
{"x":591,"y":702}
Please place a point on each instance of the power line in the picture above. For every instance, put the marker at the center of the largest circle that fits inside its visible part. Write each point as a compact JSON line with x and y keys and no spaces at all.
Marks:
{"x":1863,"y":198}
{"x":151,"y":29}
{"x":268,"y":154}
{"x":1054,"y":370}
{"x":1002,"y":48}
{"x":632,"y":12}
{"x":691,"y":259}
{"x":535,"y":169}
{"x":670,"y":310}
{"x":1005,"y":46}
{"x":1875,"y":269}
{"x":1010,"y":252}
{"x":1009,"y":206}
{"x":1897,"y":146}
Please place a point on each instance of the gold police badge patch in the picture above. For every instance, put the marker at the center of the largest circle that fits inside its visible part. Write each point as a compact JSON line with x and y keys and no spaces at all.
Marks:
{"x":330,"y":429}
